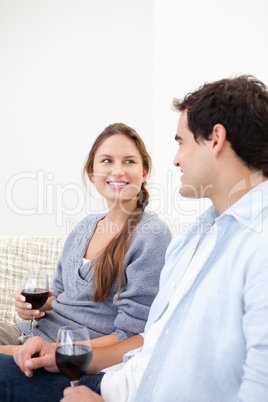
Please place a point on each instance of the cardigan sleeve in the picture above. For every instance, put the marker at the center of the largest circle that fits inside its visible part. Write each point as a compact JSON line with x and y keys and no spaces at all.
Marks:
{"x":58,"y":278}
{"x":144,"y":262}
{"x":57,"y":283}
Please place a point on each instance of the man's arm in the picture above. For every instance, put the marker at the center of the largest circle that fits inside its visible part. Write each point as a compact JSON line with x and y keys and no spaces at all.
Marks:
{"x":103,"y":357}
{"x":254,"y":384}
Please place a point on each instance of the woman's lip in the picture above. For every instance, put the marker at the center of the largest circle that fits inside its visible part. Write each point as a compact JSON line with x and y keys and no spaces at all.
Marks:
{"x":117,"y":184}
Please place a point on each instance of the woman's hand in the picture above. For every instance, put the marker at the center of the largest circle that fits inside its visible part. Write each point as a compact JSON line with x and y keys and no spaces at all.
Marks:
{"x":24,"y":309}
{"x":81,"y":394}
{"x":24,"y":356}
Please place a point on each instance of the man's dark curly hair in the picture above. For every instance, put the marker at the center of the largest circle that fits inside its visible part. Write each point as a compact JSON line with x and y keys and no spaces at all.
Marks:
{"x":240,"y":104}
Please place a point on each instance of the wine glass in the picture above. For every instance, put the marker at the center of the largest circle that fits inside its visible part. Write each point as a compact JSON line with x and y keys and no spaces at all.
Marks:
{"x":36,"y":290}
{"x":73,"y":352}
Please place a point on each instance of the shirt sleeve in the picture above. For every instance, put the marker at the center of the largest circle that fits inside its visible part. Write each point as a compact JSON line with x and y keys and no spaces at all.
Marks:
{"x":144,"y":262}
{"x":254,"y":385}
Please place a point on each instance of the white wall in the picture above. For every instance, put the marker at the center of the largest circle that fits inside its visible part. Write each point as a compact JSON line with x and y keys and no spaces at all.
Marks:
{"x":194,"y":42}
{"x":70,"y":67}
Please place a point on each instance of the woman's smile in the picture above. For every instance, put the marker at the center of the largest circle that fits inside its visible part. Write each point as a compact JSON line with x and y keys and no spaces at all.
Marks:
{"x":117,"y":184}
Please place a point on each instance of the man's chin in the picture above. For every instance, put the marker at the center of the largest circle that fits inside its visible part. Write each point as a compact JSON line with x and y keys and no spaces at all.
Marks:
{"x":188,"y":191}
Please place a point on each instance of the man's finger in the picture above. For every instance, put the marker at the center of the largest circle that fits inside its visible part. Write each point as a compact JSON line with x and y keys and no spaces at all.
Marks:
{"x":68,"y":391}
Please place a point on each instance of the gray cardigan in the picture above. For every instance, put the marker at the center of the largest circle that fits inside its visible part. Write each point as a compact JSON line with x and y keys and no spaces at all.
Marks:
{"x":73,"y":302}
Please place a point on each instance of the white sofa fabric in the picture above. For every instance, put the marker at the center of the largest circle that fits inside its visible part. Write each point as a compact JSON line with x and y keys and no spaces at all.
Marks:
{"x":18,"y":255}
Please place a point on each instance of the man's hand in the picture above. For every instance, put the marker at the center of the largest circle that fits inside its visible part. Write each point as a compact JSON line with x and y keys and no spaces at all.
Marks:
{"x":24,"y":356}
{"x":81,"y":394}
{"x":24,"y":309}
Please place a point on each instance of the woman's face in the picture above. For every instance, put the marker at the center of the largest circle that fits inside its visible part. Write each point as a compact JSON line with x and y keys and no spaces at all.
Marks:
{"x":118,"y":171}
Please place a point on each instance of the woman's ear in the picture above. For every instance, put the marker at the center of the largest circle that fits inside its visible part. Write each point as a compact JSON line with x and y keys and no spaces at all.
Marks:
{"x":144,"y":175}
{"x":91,"y":177}
{"x":218,"y":138}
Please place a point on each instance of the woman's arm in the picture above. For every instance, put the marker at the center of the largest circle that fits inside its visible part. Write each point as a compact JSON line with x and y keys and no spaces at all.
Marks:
{"x":103,"y":341}
{"x":107,"y":356}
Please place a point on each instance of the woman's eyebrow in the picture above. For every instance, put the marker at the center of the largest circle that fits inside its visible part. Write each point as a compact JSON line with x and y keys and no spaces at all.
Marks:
{"x":110,"y":156}
{"x":104,"y":156}
{"x":130,"y":156}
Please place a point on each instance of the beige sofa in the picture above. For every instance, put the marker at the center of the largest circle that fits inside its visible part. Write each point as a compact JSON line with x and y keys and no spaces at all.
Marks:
{"x":18,"y":255}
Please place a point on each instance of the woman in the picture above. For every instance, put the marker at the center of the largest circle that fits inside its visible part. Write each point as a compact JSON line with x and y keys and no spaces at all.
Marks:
{"x":108,"y":274}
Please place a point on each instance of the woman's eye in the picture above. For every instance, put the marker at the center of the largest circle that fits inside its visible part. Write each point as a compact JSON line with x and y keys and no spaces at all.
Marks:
{"x":107,"y":160}
{"x":129,"y":161}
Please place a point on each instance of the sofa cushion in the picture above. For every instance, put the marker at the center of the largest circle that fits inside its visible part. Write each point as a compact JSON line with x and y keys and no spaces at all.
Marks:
{"x":18,"y":255}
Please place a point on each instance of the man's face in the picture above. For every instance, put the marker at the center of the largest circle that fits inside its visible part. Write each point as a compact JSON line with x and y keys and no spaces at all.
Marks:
{"x":195,"y":160}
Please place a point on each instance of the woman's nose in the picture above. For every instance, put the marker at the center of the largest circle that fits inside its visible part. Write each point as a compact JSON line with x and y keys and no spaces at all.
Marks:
{"x":118,"y":169}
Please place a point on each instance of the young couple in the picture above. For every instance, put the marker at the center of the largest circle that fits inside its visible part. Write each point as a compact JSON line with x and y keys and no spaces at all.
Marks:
{"x":206,"y":337}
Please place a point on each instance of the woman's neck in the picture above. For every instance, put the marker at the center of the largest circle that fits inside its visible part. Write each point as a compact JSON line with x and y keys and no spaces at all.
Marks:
{"x":120,"y":213}
{"x":116,"y":217}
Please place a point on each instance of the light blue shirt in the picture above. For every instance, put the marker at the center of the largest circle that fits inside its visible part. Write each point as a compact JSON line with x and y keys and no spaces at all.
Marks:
{"x":215,"y":346}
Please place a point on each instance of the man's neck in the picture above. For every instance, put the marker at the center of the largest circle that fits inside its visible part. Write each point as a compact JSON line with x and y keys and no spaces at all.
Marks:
{"x":235,"y":188}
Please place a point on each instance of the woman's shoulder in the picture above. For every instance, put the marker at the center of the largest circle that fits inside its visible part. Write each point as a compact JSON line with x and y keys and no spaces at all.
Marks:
{"x":83,"y":228}
{"x":89,"y":219}
{"x":150,"y":238}
{"x":151,"y":224}
{"x":150,"y":218}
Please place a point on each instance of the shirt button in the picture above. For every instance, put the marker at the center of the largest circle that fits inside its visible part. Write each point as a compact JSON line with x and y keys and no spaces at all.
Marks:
{"x":173,"y":285}
{"x":167,"y":330}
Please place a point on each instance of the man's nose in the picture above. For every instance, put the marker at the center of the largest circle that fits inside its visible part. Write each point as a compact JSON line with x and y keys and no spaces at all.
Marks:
{"x":176,"y":159}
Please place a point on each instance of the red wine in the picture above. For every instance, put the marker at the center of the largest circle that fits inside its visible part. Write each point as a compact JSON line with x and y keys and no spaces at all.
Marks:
{"x":73,"y":362}
{"x":37,"y":297}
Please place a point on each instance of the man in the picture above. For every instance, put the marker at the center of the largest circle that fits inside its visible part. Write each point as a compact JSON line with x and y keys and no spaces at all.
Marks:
{"x":206,"y":338}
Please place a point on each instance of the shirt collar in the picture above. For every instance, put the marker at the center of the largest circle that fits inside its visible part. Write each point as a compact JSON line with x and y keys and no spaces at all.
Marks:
{"x":248,"y":207}
{"x":207,"y":219}
{"x":244,"y":211}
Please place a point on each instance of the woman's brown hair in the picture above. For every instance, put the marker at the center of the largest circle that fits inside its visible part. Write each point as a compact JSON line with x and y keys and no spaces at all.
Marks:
{"x":110,"y":264}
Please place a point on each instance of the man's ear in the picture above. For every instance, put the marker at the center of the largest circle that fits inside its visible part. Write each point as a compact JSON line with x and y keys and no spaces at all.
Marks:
{"x":218,"y":138}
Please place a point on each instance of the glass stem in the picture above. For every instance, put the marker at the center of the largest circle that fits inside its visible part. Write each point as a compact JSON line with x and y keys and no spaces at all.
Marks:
{"x":74,"y":383}
{"x":32,"y":325}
